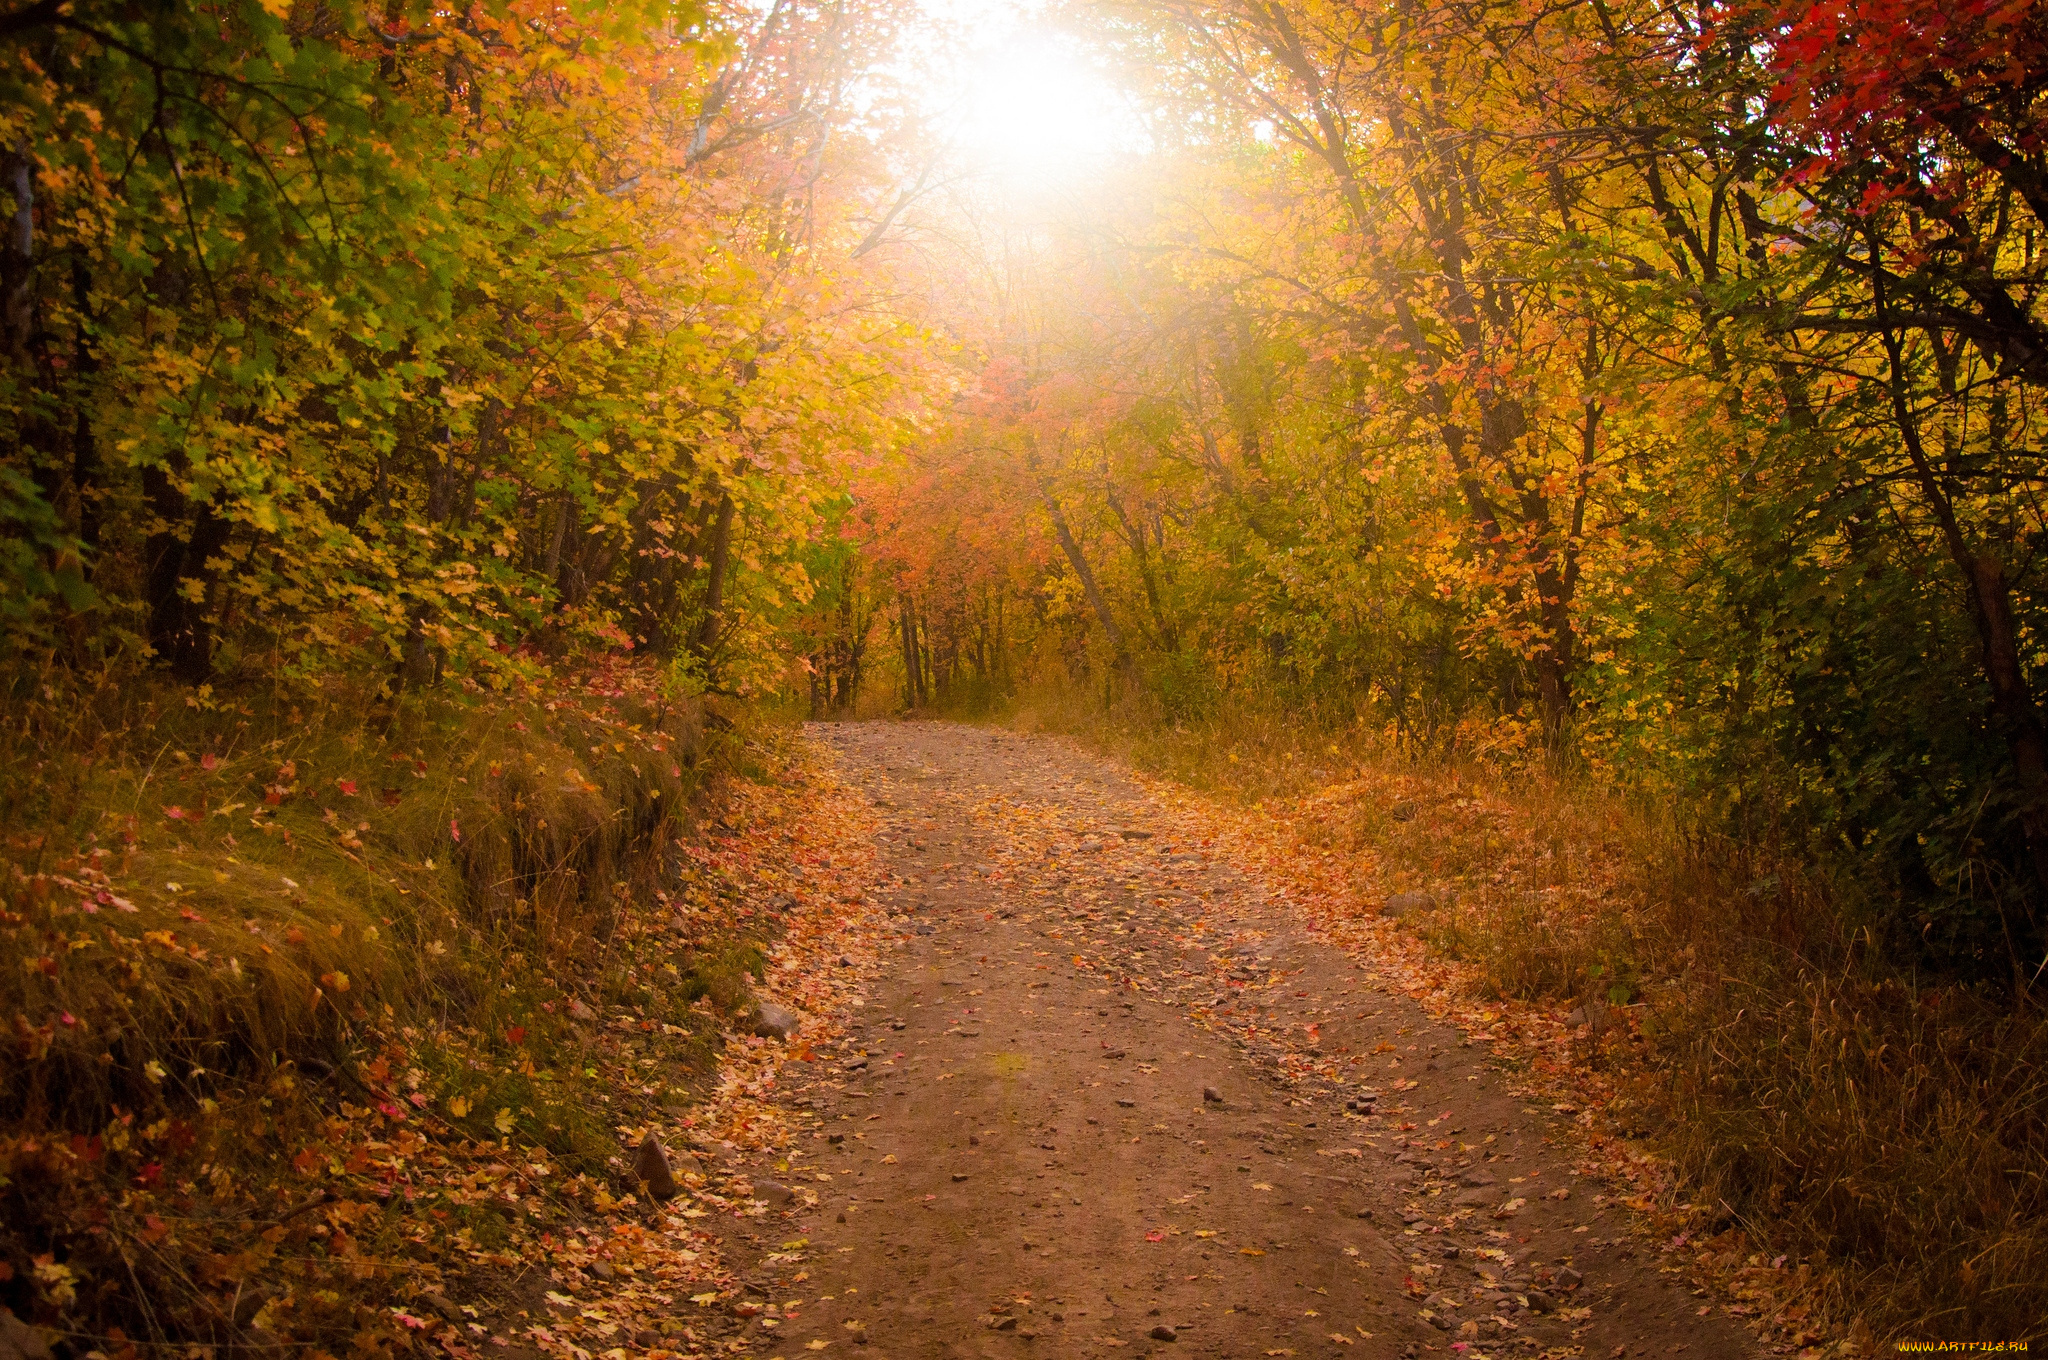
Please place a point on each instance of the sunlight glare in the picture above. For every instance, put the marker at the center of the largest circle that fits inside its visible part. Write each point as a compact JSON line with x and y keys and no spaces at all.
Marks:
{"x":1034,"y":111}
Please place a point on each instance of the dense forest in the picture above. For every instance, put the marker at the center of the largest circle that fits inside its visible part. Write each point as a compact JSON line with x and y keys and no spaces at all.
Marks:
{"x":1645,"y":390}
{"x":1650,"y":388}
{"x":1633,"y":394}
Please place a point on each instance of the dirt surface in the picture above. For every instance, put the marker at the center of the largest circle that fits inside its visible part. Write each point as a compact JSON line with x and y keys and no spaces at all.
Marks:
{"x":1095,"y":1103}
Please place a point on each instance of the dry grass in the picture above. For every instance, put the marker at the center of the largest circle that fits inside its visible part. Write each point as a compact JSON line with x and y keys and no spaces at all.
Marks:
{"x":233,"y":928}
{"x":234,"y":887}
{"x":1888,"y":1133}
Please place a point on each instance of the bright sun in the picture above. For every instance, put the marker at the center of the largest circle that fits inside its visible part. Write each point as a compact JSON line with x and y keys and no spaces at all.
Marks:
{"x":1034,"y":111}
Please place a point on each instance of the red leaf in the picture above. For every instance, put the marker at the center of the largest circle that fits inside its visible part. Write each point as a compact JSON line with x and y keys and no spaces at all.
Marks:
{"x":209,"y":761}
{"x":347,"y":787}
{"x":515,"y":1035}
{"x":174,"y":813}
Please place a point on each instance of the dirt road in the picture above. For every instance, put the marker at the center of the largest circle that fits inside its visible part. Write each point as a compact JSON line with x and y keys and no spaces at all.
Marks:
{"x":1084,"y":1111}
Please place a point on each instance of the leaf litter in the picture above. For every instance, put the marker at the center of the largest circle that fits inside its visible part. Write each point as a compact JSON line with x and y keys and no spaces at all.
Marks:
{"x":420,"y":1207}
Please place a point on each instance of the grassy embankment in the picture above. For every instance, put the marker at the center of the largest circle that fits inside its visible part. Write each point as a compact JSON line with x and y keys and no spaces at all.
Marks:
{"x":288,"y":977}
{"x":1885,"y":1134}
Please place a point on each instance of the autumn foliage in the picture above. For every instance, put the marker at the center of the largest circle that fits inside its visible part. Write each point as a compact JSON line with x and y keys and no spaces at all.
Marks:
{"x":343,"y":338}
{"x":1645,"y":391}
{"x":1644,"y":399}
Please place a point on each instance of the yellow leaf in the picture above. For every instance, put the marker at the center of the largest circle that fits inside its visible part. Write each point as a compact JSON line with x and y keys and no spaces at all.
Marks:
{"x":457,"y":1106}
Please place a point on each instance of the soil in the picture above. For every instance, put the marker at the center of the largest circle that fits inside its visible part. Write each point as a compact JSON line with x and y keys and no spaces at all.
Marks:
{"x":1072,"y":1116}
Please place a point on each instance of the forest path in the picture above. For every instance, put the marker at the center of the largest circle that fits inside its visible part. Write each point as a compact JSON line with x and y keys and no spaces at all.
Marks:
{"x":1020,"y":1158}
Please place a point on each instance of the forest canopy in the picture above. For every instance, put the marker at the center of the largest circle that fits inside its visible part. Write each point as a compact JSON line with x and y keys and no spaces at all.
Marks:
{"x":1644,"y":389}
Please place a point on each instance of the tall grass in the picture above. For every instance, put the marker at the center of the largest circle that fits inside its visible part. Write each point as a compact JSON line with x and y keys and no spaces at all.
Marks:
{"x":252,"y":942}
{"x":1886,"y":1129}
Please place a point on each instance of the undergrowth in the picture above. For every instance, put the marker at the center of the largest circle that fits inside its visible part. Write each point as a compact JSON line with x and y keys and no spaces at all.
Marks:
{"x":1879,"y":1133}
{"x":260,"y":949}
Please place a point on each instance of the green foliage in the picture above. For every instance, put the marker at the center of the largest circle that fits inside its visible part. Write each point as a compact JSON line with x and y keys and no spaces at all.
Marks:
{"x":400,"y":341}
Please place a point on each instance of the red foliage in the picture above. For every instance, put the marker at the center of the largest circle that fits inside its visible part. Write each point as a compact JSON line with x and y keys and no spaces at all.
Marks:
{"x":1900,"y":87}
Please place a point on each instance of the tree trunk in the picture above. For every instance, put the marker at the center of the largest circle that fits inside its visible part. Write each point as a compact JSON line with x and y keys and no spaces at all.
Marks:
{"x":1990,"y":601}
{"x":85,"y":458}
{"x":17,"y":258}
{"x":1134,"y":531}
{"x":913,"y":668}
{"x":716,"y":562}
{"x":177,"y":567}
{"x":418,"y":667}
{"x":1120,"y":650}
